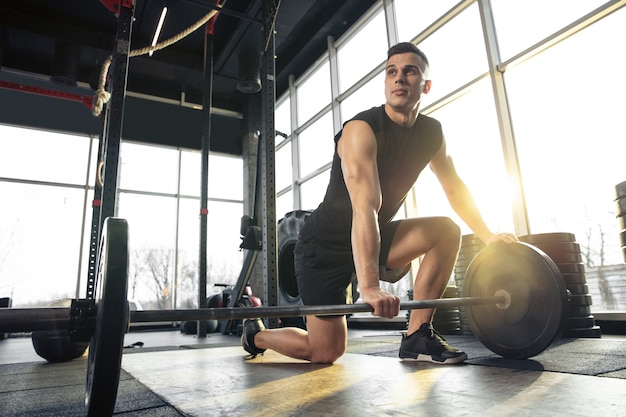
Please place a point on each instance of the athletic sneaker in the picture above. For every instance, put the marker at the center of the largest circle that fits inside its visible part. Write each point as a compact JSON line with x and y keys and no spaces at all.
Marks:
{"x":250,"y":328}
{"x":427,"y":345}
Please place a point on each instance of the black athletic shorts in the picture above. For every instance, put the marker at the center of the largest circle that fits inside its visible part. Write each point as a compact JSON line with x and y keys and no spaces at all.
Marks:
{"x":324,"y":272}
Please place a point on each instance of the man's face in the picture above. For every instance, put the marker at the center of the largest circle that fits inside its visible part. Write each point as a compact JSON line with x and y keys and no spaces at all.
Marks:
{"x":405,"y":81}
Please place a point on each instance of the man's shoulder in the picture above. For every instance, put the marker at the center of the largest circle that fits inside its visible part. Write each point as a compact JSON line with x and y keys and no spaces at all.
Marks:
{"x":428,"y":121}
{"x":377,"y":111}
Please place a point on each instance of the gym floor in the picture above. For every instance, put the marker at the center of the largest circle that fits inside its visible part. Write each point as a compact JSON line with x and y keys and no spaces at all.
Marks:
{"x":174,"y":374}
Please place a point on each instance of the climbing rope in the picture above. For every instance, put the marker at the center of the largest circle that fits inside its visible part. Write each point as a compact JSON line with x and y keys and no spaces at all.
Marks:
{"x":101,"y":97}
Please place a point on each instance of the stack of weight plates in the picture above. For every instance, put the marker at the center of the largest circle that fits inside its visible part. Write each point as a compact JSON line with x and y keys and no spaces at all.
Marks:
{"x":470,"y":246}
{"x":620,"y":213}
{"x":446,"y":319}
{"x":565,"y":252}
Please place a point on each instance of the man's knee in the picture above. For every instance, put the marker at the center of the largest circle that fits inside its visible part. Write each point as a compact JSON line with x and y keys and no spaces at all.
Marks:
{"x":329,"y":354}
{"x":450,"y":231}
{"x":328,"y":338}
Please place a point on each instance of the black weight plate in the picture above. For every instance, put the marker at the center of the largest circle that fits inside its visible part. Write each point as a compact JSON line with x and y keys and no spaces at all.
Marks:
{"x":620,"y":206}
{"x":580,"y":322}
{"x":576,"y":278}
{"x":466,"y":259}
{"x":592,"y":332}
{"x":459,"y":276}
{"x":470,"y":239}
{"x":105,"y":348}
{"x":463,"y":264}
{"x":438,"y":322}
{"x":538,"y":311}
{"x":548,"y":238}
{"x":460,"y":270}
{"x":622,"y":221}
{"x":441,"y":315}
{"x":451,"y":291}
{"x":567,"y":268}
{"x":620,"y":190}
{"x":579,"y":311}
{"x":565,"y":257}
{"x":558,"y":247}
{"x":577,"y":289}
{"x":580,"y":300}
{"x":473,"y":249}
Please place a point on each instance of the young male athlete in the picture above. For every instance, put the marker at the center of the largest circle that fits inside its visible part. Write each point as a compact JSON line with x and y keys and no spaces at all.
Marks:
{"x":378,"y":156}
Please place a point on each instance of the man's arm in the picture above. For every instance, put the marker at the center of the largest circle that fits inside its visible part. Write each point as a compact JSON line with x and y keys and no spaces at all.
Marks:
{"x":460,"y":197}
{"x":357,"y":150}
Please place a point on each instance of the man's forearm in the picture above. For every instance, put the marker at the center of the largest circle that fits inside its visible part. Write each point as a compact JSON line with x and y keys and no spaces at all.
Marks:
{"x":366,"y":249}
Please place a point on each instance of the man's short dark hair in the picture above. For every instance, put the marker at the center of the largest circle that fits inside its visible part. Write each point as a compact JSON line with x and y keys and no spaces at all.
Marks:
{"x":404,"y":47}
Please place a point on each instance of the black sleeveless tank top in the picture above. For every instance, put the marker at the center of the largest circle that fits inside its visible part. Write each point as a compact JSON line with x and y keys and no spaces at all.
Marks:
{"x":402,"y":155}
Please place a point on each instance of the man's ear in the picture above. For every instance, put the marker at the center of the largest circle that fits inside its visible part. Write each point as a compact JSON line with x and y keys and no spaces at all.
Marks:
{"x":427,"y":86}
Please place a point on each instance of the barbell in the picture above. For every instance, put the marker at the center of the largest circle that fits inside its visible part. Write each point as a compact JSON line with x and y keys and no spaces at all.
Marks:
{"x":516,"y":304}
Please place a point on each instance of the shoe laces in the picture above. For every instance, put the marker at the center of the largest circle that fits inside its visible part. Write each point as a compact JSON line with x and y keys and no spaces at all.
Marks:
{"x":434,"y":334}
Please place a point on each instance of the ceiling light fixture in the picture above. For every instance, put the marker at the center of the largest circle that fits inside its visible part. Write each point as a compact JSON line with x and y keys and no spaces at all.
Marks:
{"x":158,"y":29}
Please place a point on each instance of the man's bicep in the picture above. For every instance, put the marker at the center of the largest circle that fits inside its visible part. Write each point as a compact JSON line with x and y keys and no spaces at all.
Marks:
{"x":357,"y":149}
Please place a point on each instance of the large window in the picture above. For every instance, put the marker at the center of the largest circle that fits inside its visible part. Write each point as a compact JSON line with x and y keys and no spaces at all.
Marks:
{"x":473,"y":142}
{"x":40,"y":228}
{"x":563,"y":102}
{"x":413,"y":16}
{"x":456,"y":54}
{"x":363,"y":52}
{"x":314,"y":94}
{"x":522,"y":23}
{"x":43,"y":156}
{"x":46,"y":216}
{"x":316,"y":145}
{"x":370,"y":95}
{"x":568,"y":118}
{"x":148,"y":168}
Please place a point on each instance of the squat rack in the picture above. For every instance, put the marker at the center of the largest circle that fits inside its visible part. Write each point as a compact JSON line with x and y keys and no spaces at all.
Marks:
{"x":109,"y":151}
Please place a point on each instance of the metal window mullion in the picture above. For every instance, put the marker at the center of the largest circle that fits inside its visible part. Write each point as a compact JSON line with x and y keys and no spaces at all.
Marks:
{"x":390,"y":19}
{"x":295,"y":144}
{"x":334,"y":84}
{"x":509,"y":148}
{"x":177,"y":230}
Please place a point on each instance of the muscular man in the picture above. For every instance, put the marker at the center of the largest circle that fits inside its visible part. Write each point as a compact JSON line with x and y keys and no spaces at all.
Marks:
{"x":378,"y":156}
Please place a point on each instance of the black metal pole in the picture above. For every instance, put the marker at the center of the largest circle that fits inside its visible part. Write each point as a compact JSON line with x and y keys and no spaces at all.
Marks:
{"x":105,"y":198}
{"x":207,"y":92}
{"x":267,"y":149}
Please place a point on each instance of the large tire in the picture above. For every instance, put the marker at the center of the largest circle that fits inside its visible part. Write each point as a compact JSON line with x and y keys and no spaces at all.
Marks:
{"x":288,"y":229}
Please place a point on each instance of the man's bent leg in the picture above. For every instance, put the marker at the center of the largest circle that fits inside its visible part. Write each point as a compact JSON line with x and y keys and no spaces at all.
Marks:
{"x":324,"y":341}
{"x":438,"y":239}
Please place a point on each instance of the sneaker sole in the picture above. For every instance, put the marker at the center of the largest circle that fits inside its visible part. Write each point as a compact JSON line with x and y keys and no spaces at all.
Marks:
{"x":429,"y":358}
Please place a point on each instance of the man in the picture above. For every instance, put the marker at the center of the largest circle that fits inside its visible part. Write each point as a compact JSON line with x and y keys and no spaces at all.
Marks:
{"x":378,"y":156}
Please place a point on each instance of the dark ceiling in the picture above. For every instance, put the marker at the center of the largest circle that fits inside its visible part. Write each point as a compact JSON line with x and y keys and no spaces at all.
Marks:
{"x":83,"y":31}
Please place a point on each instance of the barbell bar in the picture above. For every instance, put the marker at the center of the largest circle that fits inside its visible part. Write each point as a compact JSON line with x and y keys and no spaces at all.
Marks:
{"x":58,"y":318}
